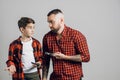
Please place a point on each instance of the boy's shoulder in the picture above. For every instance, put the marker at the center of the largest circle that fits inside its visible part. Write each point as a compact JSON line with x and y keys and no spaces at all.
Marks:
{"x":16,"y":41}
{"x":35,"y":40}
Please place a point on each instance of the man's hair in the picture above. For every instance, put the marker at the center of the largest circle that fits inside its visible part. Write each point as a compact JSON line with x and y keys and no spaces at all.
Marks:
{"x":54,"y":11}
{"x":24,"y":21}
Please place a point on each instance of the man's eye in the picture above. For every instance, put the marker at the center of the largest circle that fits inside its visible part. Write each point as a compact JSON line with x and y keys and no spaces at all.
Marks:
{"x":50,"y":22}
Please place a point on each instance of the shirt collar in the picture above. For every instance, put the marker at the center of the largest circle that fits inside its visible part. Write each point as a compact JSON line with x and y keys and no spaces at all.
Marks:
{"x":19,"y":40}
{"x":64,"y":31}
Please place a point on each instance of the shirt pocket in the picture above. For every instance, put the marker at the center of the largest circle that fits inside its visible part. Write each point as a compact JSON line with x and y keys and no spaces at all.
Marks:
{"x":68,"y":47}
{"x":52,"y":46}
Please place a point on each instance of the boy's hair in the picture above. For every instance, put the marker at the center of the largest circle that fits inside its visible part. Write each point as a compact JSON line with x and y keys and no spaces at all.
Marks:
{"x":54,"y":11}
{"x":24,"y":21}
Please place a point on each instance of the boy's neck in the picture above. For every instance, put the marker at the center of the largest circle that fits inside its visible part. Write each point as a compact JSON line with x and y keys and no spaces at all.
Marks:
{"x":25,"y":39}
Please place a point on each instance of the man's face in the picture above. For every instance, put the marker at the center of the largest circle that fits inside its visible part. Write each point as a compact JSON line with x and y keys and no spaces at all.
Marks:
{"x":54,"y":23}
{"x":28,"y":31}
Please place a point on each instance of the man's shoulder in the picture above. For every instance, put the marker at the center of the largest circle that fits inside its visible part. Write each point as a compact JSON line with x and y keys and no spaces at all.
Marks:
{"x":48,"y":34}
{"x":73,"y":31}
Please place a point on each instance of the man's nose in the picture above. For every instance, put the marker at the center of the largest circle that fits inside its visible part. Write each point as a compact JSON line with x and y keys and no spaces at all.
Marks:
{"x":50,"y":25}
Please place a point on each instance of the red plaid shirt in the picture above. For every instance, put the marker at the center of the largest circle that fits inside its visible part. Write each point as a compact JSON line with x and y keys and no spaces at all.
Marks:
{"x":15,"y":54}
{"x":72,"y":43}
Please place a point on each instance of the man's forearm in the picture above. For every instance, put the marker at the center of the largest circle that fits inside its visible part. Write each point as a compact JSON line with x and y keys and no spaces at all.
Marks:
{"x":76,"y":58}
{"x":59,"y":55}
{"x":44,"y":73}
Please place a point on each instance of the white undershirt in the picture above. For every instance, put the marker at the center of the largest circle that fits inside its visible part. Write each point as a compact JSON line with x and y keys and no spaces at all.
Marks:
{"x":28,"y":57}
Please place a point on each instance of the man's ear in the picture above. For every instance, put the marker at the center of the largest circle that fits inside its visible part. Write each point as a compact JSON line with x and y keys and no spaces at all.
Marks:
{"x":22,"y":29}
{"x":62,"y":20}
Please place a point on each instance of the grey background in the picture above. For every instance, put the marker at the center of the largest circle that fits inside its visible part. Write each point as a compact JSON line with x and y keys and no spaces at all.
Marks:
{"x":98,"y":20}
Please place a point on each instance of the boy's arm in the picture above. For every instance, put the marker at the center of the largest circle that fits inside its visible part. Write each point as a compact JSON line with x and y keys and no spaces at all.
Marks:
{"x":40,"y":54}
{"x":10,"y":64}
{"x":10,"y":56}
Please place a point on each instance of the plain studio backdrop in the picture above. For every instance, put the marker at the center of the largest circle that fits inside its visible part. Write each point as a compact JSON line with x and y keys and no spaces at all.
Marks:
{"x":98,"y":20}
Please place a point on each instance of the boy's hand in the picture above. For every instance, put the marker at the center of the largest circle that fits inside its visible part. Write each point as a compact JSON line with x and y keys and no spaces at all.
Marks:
{"x":36,"y":64}
{"x":11,"y":69}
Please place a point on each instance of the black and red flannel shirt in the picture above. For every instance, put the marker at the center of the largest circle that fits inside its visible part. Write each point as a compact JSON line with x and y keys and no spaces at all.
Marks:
{"x":72,"y":43}
{"x":15,"y":54}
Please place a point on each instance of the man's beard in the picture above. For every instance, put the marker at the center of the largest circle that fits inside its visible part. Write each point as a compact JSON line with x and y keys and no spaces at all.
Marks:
{"x":55,"y":30}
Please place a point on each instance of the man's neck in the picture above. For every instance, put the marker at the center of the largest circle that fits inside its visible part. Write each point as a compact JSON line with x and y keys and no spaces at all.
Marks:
{"x":60,"y":30}
{"x":59,"y":35}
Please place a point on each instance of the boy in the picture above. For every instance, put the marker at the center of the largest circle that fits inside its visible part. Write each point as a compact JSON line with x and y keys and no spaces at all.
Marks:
{"x":25,"y":55}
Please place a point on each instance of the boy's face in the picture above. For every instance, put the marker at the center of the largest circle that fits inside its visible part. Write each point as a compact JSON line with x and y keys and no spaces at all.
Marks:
{"x":28,"y":31}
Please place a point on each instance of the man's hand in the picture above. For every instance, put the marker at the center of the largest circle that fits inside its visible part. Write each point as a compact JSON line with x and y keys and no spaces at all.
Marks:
{"x":44,"y":79}
{"x":11,"y":69}
{"x":59,"y":55}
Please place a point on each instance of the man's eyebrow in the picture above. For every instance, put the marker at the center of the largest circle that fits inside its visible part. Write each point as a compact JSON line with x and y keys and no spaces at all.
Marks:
{"x":50,"y":21}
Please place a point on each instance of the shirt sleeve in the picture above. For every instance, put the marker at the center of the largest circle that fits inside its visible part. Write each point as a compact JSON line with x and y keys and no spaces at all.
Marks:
{"x":10,"y":55}
{"x":40,"y":54}
{"x":45,"y":49}
{"x":82,"y":47}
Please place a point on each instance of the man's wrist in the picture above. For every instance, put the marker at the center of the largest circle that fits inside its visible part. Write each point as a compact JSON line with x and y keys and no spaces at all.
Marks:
{"x":67,"y":57}
{"x":44,"y":78}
